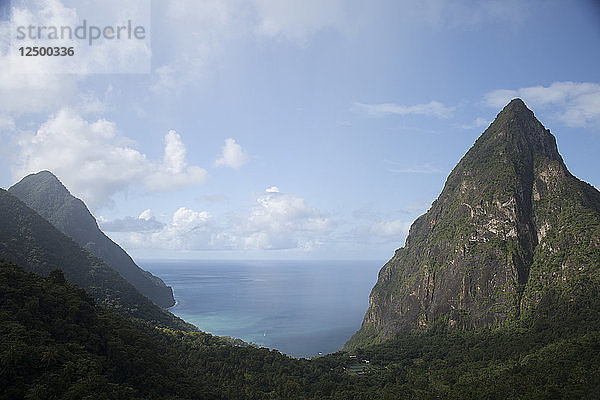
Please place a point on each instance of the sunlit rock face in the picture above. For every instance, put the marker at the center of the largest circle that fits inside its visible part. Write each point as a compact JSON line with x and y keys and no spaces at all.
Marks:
{"x":510,"y":226}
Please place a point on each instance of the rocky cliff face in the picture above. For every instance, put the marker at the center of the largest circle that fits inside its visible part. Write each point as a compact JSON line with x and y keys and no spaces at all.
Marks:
{"x":45,"y":194}
{"x":511,"y":226}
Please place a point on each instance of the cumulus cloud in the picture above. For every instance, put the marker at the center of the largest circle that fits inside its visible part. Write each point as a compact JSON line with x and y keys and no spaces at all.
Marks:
{"x":187,"y":230}
{"x":276,"y":221}
{"x":145,"y":222}
{"x":433,"y":109}
{"x":232,"y":155}
{"x":187,"y":219}
{"x":574,"y":103}
{"x":280,"y":221}
{"x":95,"y":162}
{"x":173,"y":172}
{"x":146,"y":215}
{"x":25,"y":91}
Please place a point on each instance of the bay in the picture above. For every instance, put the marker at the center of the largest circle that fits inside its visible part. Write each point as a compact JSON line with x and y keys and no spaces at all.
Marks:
{"x":301,"y":308}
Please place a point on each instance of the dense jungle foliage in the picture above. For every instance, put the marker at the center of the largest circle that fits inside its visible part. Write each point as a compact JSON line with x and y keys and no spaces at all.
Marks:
{"x":56,"y":342}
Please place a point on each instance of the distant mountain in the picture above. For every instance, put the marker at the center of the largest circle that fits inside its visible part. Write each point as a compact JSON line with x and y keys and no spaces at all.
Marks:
{"x":27,"y":239}
{"x":511,"y":230}
{"x":45,"y":194}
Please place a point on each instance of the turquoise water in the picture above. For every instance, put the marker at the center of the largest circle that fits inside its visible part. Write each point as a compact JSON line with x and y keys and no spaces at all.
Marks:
{"x":301,"y":308}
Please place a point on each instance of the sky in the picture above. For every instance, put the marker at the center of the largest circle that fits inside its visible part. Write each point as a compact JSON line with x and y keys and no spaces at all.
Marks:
{"x":274,"y":129}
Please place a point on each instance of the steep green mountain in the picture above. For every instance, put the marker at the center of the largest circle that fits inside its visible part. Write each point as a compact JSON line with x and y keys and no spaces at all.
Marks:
{"x":29,"y":240}
{"x":511,"y":230}
{"x":45,"y":194}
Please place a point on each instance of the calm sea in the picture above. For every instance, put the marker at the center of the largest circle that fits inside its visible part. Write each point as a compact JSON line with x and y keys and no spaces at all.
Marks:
{"x":301,"y":308}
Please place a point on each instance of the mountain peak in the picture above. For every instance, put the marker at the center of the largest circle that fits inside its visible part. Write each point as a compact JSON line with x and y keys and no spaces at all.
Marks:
{"x":516,"y":130}
{"x":44,"y":193}
{"x":44,"y":175}
{"x":517,"y":105}
{"x":516,"y":111}
{"x":49,"y":191}
{"x":45,"y":181}
{"x":510,"y":220}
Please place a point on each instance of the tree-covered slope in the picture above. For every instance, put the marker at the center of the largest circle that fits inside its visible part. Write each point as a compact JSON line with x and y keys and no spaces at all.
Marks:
{"x":45,"y":194}
{"x":511,"y":226}
{"x":56,"y":343}
{"x":29,"y":240}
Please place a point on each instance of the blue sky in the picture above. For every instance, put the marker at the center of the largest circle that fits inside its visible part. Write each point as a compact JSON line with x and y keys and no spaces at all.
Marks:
{"x":289,"y":129}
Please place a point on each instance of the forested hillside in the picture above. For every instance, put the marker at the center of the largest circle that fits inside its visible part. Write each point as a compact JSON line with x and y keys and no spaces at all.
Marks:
{"x":29,"y":240}
{"x":55,"y":342}
{"x":46,"y":195}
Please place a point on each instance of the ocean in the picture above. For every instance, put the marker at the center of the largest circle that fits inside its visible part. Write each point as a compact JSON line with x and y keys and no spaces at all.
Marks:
{"x":301,"y":308}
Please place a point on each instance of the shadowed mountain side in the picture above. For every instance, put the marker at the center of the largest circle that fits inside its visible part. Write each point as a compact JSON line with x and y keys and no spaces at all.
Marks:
{"x":29,"y":240}
{"x":45,"y":194}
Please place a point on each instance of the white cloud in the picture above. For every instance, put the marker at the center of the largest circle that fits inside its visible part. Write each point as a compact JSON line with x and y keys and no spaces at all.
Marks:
{"x":232,"y":155}
{"x":272,"y":189}
{"x":281,"y":221}
{"x":276,"y":221}
{"x":146,"y":215}
{"x":187,"y":230}
{"x":24,"y":90}
{"x":95,"y":162}
{"x":144,"y":223}
{"x":433,"y":108}
{"x":173,"y":172}
{"x":574,"y":103}
{"x":391,"y":228}
{"x":187,"y":220}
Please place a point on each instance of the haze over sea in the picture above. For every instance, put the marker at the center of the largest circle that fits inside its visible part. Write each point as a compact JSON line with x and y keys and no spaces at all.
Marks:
{"x":301,"y":308}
